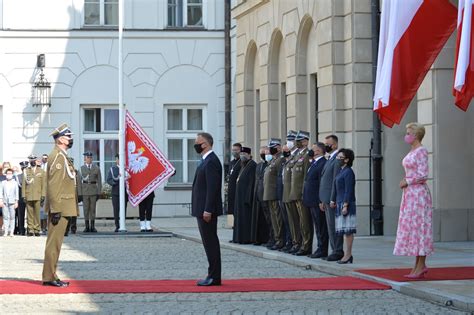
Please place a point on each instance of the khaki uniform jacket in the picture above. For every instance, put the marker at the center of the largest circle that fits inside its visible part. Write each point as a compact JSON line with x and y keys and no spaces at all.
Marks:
{"x":34,"y":183}
{"x":298,"y":174}
{"x":288,"y":166}
{"x":61,"y":191}
{"x":90,"y":181}
{"x":270,"y":178}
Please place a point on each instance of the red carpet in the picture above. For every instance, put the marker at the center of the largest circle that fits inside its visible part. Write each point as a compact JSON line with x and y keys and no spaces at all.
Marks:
{"x":189,"y":286}
{"x":434,"y":274}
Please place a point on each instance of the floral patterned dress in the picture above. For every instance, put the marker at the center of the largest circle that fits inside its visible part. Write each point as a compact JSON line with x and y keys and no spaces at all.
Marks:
{"x":415,"y":223}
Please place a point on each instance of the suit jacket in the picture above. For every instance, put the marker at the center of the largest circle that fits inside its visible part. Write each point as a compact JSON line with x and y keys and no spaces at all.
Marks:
{"x":61,"y":187}
{"x":330,"y":170}
{"x":311,"y":183}
{"x":344,"y":186}
{"x":207,"y":187}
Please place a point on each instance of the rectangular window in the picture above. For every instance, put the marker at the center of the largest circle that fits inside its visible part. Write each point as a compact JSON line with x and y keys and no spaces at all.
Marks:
{"x":182,"y":124}
{"x":99,"y":136}
{"x":185,"y":13}
{"x":100,"y":12}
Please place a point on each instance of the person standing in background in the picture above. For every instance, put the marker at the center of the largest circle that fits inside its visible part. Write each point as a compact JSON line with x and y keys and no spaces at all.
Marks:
{"x":145,"y":208}
{"x":113,"y":179}
{"x":33,"y":192}
{"x":261,"y":230}
{"x":231,"y":177}
{"x":89,"y":190}
{"x":20,"y":211}
{"x":44,"y":162}
{"x":9,"y":201}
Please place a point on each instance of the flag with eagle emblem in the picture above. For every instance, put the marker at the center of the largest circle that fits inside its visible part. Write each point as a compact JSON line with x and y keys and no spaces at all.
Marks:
{"x":146,"y":165}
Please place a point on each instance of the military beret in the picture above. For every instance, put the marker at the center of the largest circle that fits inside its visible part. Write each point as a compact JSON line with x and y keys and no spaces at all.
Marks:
{"x":88,"y":153}
{"x":32,"y":157}
{"x":60,"y":131}
{"x":302,"y":135}
{"x":291,"y":135}
{"x":246,"y":150}
{"x":274,"y":142}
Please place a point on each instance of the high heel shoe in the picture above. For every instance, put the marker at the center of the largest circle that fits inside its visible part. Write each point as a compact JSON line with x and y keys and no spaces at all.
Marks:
{"x":349,"y":261}
{"x":419,"y":275}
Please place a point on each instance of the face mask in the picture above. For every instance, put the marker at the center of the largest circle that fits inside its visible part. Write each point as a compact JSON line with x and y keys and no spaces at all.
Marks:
{"x":410,"y":139}
{"x":299,"y":144}
{"x":268,"y":157}
{"x":262,"y":155}
{"x":198,"y":148}
{"x":244,"y":158}
{"x":9,"y":176}
{"x":290,"y":144}
{"x":33,"y":163}
{"x":273,"y":151}
{"x":235,"y":154}
{"x":286,"y":153}
{"x":328,"y":148}
{"x":71,"y":142}
{"x":310,"y":153}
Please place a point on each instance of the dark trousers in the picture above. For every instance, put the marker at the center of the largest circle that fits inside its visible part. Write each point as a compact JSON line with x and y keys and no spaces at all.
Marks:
{"x":20,"y":218}
{"x":116,"y":206}
{"x":210,"y":241}
{"x":321,"y":228}
{"x":286,"y":224}
{"x":337,"y":241}
{"x":145,"y":209}
{"x":268,"y":219}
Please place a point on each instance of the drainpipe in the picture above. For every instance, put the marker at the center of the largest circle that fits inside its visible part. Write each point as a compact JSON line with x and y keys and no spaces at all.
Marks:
{"x":228,"y":91}
{"x":377,"y":158}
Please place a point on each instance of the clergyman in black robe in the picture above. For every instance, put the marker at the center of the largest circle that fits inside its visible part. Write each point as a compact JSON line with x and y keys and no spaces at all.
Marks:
{"x":234,"y":169}
{"x":244,"y":194}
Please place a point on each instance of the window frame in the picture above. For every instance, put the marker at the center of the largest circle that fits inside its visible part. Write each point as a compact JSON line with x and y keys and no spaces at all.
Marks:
{"x":101,"y":24}
{"x":184,"y":16}
{"x":184,"y":135}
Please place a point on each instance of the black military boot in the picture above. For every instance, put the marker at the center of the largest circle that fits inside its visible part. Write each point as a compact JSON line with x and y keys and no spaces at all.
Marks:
{"x":93,"y":230}
{"x":73,"y":225}
{"x":87,"y":229}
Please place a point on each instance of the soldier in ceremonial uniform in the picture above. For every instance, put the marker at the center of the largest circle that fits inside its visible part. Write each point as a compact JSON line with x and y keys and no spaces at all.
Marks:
{"x":89,"y":190}
{"x":61,"y":204}
{"x":33,"y":193}
{"x":290,"y":206}
{"x":298,"y":173}
{"x":275,"y":160}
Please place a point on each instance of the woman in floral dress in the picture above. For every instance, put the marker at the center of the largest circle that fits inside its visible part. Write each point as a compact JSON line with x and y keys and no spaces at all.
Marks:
{"x":415,"y":227}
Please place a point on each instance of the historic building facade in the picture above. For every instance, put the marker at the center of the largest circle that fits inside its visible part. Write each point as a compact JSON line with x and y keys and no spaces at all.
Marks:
{"x":308,"y":65}
{"x":173,"y":67}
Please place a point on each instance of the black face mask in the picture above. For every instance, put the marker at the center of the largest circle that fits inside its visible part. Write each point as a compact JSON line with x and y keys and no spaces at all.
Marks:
{"x":311,"y":153}
{"x":286,"y":153}
{"x":262,"y":155}
{"x":33,"y":163}
{"x":198,"y":148}
{"x":299,"y":144}
{"x":273,"y":151}
{"x":328,"y":148}
{"x":71,"y":142}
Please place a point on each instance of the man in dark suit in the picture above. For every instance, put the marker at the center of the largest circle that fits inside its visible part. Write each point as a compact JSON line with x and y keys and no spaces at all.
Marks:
{"x":330,"y":170}
{"x":113,"y":179}
{"x":20,"y":211}
{"x":207,"y":205}
{"x":311,"y":198}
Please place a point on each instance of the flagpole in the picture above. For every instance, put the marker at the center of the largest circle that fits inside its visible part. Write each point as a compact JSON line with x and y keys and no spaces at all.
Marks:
{"x":121,"y":119}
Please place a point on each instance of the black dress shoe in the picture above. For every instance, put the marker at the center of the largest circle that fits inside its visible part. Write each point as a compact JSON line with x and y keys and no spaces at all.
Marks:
{"x":293,"y":250}
{"x":37,"y":234}
{"x":349,"y":261}
{"x":116,"y":230}
{"x":334,"y":257}
{"x":29,"y":234}
{"x":302,"y":253}
{"x":318,"y":255}
{"x":286,"y":249}
{"x":149,"y":230}
{"x":208,"y":282}
{"x":277,"y":247}
{"x":56,"y":283}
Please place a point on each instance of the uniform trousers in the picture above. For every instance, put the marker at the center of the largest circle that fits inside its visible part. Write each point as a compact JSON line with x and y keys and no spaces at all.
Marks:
{"x":53,"y":248}
{"x":286,"y":224}
{"x":336,"y":241}
{"x":33,"y":216}
{"x":277,"y":222}
{"x":89,"y":202}
{"x":145,"y":209}
{"x":268,"y":219}
{"x":116,"y":206}
{"x":20,"y":216}
{"x":294,"y":223}
{"x":306,"y":226}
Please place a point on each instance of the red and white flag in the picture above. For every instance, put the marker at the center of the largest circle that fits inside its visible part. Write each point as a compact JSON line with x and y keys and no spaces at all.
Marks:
{"x":463,"y":90}
{"x":412,"y":33}
{"x":146,"y":165}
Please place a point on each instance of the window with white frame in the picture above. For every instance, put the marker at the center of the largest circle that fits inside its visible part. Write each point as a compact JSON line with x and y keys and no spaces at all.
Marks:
{"x":100,"y":126}
{"x":100,"y":12}
{"x":182,"y":125}
{"x":185,"y":13}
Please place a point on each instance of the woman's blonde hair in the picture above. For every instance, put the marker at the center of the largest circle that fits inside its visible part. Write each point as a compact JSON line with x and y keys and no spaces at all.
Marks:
{"x":419,"y":130}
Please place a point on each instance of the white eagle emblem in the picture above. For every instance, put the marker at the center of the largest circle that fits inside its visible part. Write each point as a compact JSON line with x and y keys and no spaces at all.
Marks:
{"x":136,"y":162}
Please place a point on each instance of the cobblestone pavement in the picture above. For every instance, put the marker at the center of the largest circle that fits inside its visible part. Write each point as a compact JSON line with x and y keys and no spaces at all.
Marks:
{"x":173,"y":258}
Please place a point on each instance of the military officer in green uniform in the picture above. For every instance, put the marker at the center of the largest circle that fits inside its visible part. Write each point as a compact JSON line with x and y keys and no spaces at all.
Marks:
{"x":89,"y":190}
{"x":61,"y":204}
{"x":275,"y":160}
{"x":298,"y":173}
{"x":290,"y":205}
{"x":33,"y":192}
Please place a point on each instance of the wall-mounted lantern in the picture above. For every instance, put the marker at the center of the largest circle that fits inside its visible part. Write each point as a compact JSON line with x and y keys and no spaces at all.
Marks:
{"x":42,"y":88}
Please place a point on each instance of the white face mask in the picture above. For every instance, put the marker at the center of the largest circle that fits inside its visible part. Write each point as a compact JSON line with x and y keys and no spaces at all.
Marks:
{"x":268,"y":157}
{"x":9,"y":176}
{"x":290,"y":144}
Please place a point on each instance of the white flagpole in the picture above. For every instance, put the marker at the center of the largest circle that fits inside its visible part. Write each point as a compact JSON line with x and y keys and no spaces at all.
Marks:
{"x":121,"y":118}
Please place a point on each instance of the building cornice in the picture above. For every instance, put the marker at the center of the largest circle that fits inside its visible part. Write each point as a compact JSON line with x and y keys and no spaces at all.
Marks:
{"x":246,"y":6}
